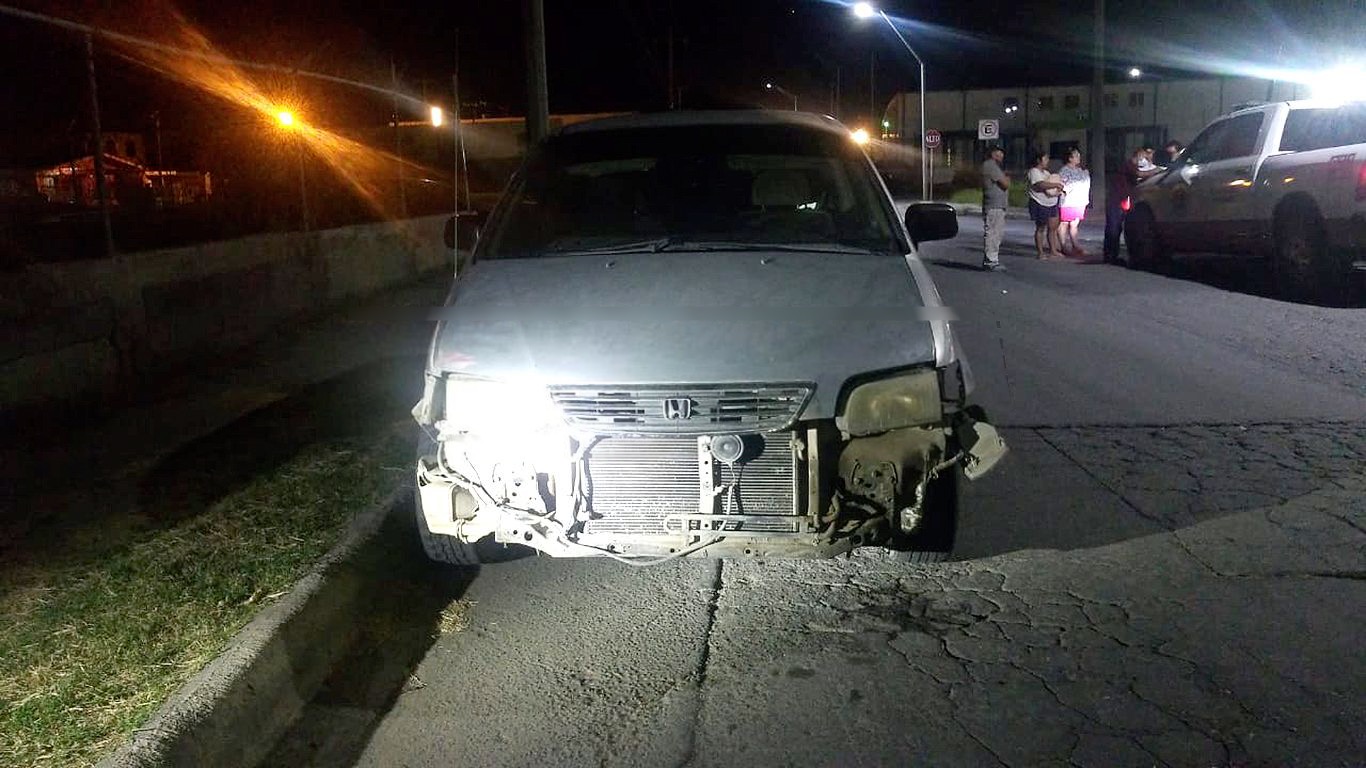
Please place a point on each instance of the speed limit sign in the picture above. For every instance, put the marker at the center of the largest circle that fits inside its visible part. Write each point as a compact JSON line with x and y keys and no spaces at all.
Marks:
{"x":988,"y":129}
{"x":932,"y":138}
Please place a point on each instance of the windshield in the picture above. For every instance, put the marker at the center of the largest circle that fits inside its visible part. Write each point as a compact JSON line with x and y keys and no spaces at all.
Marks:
{"x":671,"y":188}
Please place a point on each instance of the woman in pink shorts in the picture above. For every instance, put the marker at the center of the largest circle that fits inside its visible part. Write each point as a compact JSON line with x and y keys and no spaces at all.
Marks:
{"x":1076,"y":195}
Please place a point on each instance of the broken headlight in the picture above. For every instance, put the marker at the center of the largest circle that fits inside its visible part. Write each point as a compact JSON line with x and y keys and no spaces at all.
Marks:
{"x":910,"y":400}
{"x":487,"y":406}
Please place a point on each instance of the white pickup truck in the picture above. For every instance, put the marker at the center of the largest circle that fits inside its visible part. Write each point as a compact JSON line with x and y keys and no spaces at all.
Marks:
{"x":1284,"y":182}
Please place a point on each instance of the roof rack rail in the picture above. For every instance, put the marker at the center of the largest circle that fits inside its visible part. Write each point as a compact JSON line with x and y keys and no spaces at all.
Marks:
{"x":1247,"y":104}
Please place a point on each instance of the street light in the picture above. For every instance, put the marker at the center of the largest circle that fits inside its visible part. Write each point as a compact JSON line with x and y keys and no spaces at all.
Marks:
{"x":438,"y":117}
{"x":860,"y":136}
{"x":1135,"y":72}
{"x":867,"y":11}
{"x":775,"y":87}
{"x":285,"y":117}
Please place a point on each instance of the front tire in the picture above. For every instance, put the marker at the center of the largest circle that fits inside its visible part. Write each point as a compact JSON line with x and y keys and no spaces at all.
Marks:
{"x":440,"y":547}
{"x":1145,"y":249}
{"x":932,"y":541}
{"x":1303,"y":266}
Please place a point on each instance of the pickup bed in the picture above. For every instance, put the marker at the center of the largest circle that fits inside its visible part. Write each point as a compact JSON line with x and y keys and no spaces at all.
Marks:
{"x":1284,"y":182}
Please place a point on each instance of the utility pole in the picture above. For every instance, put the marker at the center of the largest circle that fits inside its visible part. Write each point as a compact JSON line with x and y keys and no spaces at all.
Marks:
{"x":304,"y":220}
{"x":1098,"y":178}
{"x":538,"y":97}
{"x":835,"y":100}
{"x":398,"y":145}
{"x":101,"y":187}
{"x":672,"y":104}
{"x":161,"y":163}
{"x":872,"y":90}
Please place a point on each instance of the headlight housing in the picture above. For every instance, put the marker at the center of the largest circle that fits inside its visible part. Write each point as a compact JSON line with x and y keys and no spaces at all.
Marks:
{"x":909,"y":400}
{"x":495,"y":407}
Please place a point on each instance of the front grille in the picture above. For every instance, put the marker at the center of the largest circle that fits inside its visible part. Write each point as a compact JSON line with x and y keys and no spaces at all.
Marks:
{"x":682,"y":410}
{"x":637,"y":483}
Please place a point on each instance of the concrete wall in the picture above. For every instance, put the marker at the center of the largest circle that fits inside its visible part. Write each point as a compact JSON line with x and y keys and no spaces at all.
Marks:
{"x":85,"y":328}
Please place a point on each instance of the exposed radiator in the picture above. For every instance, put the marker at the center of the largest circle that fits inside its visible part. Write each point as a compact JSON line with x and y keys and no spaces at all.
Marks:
{"x":636,"y":483}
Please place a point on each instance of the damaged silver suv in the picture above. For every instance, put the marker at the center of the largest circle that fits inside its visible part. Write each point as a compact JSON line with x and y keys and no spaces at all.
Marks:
{"x":696,"y":335}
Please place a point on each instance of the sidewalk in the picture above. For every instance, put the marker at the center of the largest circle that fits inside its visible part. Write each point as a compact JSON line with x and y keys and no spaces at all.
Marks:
{"x":1230,"y":643}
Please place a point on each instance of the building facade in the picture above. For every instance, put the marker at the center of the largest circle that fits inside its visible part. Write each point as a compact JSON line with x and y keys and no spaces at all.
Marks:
{"x":1054,"y":118}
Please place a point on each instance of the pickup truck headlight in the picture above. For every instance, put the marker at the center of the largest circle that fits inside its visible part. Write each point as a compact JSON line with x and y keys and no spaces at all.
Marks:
{"x":493,"y":407}
{"x":910,"y":400}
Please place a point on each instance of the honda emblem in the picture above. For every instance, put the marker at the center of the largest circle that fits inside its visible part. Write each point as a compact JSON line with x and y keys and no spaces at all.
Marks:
{"x":678,"y":408}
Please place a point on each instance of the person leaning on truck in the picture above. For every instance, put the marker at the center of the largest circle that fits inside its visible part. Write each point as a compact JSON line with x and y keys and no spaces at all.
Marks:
{"x":995,"y":198}
{"x":1117,"y":202}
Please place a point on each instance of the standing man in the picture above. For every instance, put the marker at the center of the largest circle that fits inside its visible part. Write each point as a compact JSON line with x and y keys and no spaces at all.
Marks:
{"x":1118,"y":201}
{"x":995,"y":197}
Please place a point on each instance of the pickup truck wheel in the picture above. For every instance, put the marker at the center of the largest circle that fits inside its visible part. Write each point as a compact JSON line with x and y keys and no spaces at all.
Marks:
{"x":440,"y":547}
{"x":1304,"y":268}
{"x":932,"y":542}
{"x":1145,"y":249}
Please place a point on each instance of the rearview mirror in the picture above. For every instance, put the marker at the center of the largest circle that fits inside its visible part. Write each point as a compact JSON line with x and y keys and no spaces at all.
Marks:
{"x":931,"y":221}
{"x":467,"y":233}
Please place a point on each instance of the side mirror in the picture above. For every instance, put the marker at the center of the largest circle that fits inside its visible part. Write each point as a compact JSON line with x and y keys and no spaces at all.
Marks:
{"x":931,"y":221}
{"x":468,"y":231}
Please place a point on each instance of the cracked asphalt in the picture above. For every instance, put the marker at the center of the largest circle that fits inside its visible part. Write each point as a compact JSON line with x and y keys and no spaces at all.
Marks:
{"x":1167,"y":570}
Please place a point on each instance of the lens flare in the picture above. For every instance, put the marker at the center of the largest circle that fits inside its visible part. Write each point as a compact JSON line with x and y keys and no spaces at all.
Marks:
{"x":860,"y":136}
{"x":190,"y":58}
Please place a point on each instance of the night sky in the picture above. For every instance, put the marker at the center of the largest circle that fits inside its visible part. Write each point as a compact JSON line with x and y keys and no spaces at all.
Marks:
{"x":610,"y":54}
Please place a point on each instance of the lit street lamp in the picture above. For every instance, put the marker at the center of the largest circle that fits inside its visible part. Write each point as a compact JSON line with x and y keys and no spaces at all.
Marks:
{"x":1135,"y":73}
{"x":784,"y":91}
{"x":438,"y":117}
{"x":867,"y":11}
{"x":285,"y":117}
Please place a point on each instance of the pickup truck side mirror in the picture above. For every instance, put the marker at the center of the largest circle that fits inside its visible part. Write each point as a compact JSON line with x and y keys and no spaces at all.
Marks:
{"x":931,"y":221}
{"x":467,"y":233}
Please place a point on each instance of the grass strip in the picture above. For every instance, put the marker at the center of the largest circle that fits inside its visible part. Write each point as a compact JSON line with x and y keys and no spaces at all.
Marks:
{"x":91,"y":647}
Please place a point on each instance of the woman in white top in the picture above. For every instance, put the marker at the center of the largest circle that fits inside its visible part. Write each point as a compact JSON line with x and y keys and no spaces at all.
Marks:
{"x":1044,"y":192}
{"x":1075,"y":197}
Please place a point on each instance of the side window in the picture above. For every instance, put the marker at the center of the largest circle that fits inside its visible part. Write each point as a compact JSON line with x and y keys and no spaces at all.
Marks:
{"x":1234,"y":137}
{"x":1240,"y":140}
{"x":1201,"y":149}
{"x":1347,"y":126}
{"x":1303,"y":130}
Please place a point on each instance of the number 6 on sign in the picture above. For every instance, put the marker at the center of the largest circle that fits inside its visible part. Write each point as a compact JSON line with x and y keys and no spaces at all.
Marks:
{"x":988,"y":129}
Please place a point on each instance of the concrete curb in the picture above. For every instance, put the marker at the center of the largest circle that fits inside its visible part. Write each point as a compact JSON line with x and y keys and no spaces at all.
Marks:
{"x":234,"y":710}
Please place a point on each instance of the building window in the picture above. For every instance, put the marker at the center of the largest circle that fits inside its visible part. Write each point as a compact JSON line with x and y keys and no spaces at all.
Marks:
{"x":1071,"y":101}
{"x":1136,"y":99}
{"x":1045,"y":102}
{"x":1112,"y":100}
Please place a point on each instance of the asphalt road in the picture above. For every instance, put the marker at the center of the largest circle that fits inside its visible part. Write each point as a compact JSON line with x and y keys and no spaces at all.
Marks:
{"x":1134,"y":404}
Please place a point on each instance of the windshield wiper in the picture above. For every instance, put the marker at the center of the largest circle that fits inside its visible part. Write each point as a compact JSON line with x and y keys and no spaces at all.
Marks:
{"x":641,"y":246}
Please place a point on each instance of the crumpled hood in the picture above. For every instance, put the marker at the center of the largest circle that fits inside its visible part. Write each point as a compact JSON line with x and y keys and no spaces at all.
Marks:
{"x":686,"y":318}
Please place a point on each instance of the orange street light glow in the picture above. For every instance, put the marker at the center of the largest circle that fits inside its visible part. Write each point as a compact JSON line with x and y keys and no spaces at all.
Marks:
{"x":860,"y":136}
{"x":438,"y":117}
{"x":285,"y":117}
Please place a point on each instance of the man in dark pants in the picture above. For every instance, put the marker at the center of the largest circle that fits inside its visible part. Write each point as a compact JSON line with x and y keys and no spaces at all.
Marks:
{"x":1122,"y":185}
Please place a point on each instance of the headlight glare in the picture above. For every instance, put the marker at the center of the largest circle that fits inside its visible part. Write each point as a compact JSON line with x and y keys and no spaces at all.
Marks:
{"x":497,"y":407}
{"x":910,"y":400}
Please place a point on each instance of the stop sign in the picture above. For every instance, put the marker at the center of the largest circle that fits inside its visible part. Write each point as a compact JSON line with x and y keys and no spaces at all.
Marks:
{"x":932,"y":138}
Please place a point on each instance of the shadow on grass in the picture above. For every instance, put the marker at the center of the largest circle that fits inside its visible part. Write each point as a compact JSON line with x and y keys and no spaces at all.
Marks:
{"x":413,"y":603}
{"x":361,"y":402}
